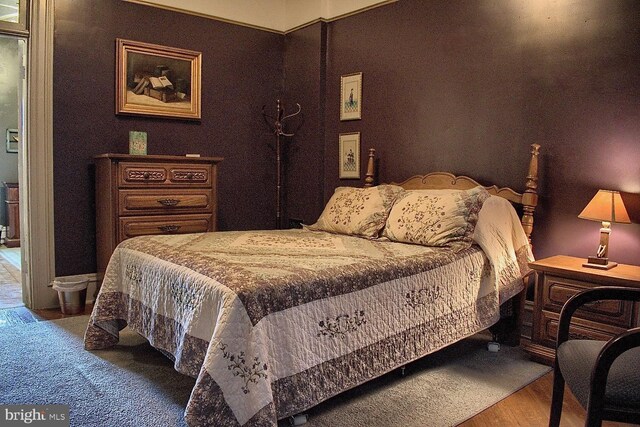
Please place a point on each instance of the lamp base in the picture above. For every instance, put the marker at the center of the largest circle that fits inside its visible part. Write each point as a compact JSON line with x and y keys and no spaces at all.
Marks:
{"x":599,"y":263}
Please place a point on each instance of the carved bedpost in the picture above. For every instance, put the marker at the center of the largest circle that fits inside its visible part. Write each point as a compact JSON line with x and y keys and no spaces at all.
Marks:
{"x":530,"y":195}
{"x":370,"y":176}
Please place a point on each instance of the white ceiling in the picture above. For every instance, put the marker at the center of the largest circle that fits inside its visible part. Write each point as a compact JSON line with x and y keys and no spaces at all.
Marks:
{"x":273,"y":15}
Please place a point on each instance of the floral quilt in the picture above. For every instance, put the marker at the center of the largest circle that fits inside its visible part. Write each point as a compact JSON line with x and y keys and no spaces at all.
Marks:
{"x":273,"y":322}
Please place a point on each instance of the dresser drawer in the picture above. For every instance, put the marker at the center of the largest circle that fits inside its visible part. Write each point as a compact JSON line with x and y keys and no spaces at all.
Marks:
{"x":167,"y":224}
{"x":137,"y":202}
{"x":152,"y":194}
{"x":163,"y":174}
{"x":557,"y":290}
{"x":577,"y":330}
{"x":190,"y":175}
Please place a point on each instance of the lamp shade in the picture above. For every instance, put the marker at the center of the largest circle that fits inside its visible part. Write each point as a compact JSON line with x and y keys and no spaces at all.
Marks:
{"x":607,"y":206}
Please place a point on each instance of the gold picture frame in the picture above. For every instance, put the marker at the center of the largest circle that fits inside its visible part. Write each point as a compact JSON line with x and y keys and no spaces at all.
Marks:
{"x":157,"y":81}
{"x":351,"y":96}
{"x":349,"y":155}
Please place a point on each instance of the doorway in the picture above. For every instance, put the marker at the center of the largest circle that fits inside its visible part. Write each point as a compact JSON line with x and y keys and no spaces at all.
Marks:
{"x":32,"y":22}
{"x":12,"y":63}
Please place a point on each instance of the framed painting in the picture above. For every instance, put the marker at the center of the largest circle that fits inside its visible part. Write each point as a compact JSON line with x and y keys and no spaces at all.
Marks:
{"x":350,"y":155}
{"x":157,"y":81}
{"x":12,"y":140}
{"x":351,"y":96}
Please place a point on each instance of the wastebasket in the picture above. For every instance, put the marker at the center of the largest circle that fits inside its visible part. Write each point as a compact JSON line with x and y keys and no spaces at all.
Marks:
{"x":72,"y":295}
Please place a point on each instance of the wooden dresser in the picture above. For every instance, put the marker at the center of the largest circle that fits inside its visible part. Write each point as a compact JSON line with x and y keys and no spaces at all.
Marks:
{"x":12,"y":201}
{"x":560,"y":277}
{"x":152,"y":194}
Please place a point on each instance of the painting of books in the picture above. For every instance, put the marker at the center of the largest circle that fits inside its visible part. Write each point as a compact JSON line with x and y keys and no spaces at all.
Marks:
{"x":158,"y":80}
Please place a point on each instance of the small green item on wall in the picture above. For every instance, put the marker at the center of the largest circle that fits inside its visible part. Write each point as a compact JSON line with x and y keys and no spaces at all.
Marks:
{"x":137,"y":142}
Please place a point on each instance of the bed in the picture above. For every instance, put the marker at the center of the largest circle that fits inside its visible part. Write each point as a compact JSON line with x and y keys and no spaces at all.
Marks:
{"x":273,"y":322}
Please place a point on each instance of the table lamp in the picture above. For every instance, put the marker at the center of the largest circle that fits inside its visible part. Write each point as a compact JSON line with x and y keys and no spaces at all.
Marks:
{"x":606,"y":206}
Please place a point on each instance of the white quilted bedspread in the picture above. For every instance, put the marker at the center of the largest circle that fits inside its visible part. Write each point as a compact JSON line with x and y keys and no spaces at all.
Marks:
{"x":274,"y":322}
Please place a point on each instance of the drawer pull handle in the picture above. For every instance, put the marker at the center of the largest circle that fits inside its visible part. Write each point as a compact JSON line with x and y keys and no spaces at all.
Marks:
{"x":169,"y":228}
{"x":146,"y":175}
{"x":190,"y":175}
{"x":168,"y":202}
{"x":579,"y":336}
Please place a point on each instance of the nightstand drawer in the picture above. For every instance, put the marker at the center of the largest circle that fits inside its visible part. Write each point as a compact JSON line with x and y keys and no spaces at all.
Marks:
{"x":176,"y":224}
{"x":163,"y":174}
{"x":557,"y":290}
{"x":577,"y":330}
{"x":560,"y":277}
{"x":137,"y":202}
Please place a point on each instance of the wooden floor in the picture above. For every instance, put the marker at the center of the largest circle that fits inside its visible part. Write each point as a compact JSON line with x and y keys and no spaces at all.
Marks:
{"x":528,"y":407}
{"x":10,"y":287}
{"x":21,"y":315}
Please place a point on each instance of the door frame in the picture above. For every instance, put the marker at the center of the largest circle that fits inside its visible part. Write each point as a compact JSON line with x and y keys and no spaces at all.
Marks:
{"x":36,"y":165}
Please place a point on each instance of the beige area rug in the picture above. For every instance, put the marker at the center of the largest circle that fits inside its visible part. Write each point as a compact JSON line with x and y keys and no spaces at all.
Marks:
{"x":10,"y":287}
{"x":443,"y":389}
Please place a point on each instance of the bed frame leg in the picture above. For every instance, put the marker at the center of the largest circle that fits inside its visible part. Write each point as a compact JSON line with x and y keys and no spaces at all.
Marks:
{"x":298,"y":420}
{"x":508,"y":330}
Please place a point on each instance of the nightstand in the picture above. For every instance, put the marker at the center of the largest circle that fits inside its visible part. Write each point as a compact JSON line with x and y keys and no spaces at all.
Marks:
{"x":560,"y":277}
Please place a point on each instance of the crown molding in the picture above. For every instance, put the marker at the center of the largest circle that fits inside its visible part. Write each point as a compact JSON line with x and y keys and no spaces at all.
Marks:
{"x":276,"y":16}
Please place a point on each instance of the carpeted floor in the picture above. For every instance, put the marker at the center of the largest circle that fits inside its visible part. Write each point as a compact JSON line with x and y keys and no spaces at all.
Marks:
{"x":129,"y":385}
{"x":134,"y":385}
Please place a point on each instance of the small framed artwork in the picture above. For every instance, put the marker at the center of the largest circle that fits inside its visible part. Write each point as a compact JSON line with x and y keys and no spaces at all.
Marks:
{"x":160,"y":81}
{"x":350,"y":155}
{"x":351,"y":96}
{"x":137,"y":142}
{"x":12,"y":140}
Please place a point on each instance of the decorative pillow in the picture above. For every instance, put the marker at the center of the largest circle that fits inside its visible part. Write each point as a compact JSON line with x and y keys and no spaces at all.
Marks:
{"x":444,"y":218}
{"x":357,"y":211}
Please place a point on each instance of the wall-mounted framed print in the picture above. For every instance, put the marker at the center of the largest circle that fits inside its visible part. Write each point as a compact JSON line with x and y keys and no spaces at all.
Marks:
{"x":351,"y":96}
{"x":12,"y":140}
{"x":157,"y":81}
{"x":350,"y":155}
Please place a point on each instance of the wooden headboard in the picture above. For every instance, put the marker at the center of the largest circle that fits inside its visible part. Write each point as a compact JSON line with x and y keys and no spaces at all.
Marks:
{"x":440,"y":180}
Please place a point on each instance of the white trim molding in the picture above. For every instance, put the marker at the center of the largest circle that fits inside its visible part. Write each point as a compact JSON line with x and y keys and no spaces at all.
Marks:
{"x":280,"y":16}
{"x":36,"y":174}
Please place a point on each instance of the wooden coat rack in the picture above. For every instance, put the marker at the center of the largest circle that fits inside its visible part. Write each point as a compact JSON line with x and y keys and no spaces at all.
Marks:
{"x":276,"y":124}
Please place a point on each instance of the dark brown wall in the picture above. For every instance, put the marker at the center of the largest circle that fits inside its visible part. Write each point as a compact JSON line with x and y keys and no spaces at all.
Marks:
{"x":463,"y":86}
{"x":305,"y":66}
{"x":467,"y":86}
{"x":241,"y":71}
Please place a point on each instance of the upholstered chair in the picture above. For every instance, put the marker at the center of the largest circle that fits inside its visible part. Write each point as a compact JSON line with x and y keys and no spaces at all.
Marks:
{"x":604,"y":376}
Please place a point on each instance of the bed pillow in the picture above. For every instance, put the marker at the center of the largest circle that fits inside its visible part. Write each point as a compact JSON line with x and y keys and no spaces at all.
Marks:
{"x":442,"y":218}
{"x":357,"y":211}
